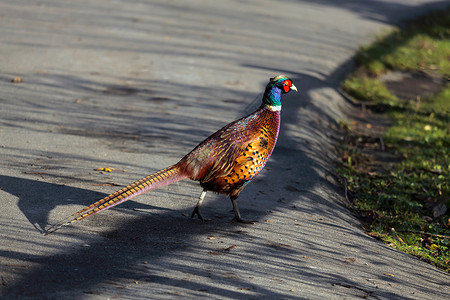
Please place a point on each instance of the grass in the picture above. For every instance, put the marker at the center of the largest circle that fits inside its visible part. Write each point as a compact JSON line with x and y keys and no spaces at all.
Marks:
{"x":369,"y":89}
{"x":402,"y":193}
{"x":422,"y":44}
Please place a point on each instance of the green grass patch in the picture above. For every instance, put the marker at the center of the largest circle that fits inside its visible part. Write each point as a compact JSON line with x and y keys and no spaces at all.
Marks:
{"x":423,"y":44}
{"x":369,"y":89}
{"x":403,"y":192}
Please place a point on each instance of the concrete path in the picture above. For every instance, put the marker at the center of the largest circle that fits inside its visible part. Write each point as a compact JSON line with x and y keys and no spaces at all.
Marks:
{"x":135,"y":85}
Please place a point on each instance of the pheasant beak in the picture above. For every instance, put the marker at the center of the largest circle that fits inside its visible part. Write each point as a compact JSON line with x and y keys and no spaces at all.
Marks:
{"x":294,"y":88}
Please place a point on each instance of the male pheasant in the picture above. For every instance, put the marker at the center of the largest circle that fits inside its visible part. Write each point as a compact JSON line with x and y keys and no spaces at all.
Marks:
{"x":223,"y":163}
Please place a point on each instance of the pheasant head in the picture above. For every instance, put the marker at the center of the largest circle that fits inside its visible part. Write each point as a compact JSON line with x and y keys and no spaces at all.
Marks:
{"x":277,"y":86}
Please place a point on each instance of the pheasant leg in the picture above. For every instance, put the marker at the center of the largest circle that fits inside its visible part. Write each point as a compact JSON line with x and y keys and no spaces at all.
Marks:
{"x":197,"y":207}
{"x":237,"y":215}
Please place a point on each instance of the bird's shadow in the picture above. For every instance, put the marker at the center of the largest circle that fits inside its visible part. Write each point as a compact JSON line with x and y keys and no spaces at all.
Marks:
{"x":37,"y":199}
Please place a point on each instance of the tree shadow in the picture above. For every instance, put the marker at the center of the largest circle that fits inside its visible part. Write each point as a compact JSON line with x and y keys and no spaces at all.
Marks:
{"x":138,"y":250}
{"x":165,"y":252}
{"x":37,"y":199}
{"x":389,"y":13}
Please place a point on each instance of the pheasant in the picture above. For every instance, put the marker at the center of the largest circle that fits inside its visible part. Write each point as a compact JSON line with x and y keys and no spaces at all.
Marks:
{"x":224,"y":163}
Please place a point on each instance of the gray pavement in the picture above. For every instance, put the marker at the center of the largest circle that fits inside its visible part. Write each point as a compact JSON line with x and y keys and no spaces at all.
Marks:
{"x":135,"y":85}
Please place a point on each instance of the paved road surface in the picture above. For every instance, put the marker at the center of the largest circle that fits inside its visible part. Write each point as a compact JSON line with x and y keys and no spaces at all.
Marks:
{"x":135,"y":85}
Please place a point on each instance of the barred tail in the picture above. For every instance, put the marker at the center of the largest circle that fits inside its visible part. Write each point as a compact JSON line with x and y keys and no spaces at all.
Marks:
{"x":146,"y":184}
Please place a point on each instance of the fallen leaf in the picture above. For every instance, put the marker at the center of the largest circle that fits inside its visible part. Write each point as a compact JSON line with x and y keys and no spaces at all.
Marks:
{"x":349,"y":260}
{"x":231,"y":247}
{"x":17,"y":79}
{"x":278,"y":246}
{"x":387,"y":274}
{"x":434,"y":247}
{"x":105,"y":169}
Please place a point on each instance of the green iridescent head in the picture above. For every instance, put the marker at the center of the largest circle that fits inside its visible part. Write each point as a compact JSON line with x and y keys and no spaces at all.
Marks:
{"x":277,"y":86}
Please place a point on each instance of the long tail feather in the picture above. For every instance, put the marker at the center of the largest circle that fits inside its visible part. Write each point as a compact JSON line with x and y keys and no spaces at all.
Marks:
{"x":146,"y":184}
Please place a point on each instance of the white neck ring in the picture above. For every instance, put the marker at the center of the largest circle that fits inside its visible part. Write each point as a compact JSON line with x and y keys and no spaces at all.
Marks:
{"x":273,"y":108}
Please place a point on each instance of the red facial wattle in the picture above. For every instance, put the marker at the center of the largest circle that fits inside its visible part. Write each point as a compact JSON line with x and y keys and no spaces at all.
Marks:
{"x":287,"y":85}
